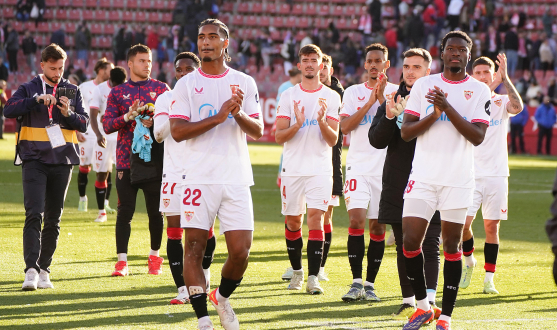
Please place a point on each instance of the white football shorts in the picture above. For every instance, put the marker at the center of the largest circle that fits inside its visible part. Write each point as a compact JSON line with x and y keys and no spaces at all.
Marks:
{"x":335,"y":200}
{"x":363,"y":192}
{"x":170,"y":202}
{"x":296,"y":191}
{"x":492,"y":193}
{"x":86,"y":149}
{"x":104,"y":158}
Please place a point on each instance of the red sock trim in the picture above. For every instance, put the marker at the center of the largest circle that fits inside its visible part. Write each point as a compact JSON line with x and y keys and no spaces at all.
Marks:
{"x":174,"y":233}
{"x":468,"y":253}
{"x":316,"y":235}
{"x":293,"y":235}
{"x":211,"y":233}
{"x":453,"y":256}
{"x":377,"y":238}
{"x":328,"y":228}
{"x":101,"y":185}
{"x":489,"y":267}
{"x":84,"y":169}
{"x":355,"y":232}
{"x":411,"y":254}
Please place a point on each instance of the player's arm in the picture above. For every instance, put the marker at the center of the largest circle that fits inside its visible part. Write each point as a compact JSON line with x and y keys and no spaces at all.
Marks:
{"x":94,"y":109}
{"x":515,"y":105}
{"x":251,"y":124}
{"x":328,"y":126}
{"x":112,"y":120}
{"x":285,"y":132}
{"x":473,"y":132}
{"x":350,"y":123}
{"x":161,"y":123}
{"x":381,"y":129}
{"x":412,"y":126}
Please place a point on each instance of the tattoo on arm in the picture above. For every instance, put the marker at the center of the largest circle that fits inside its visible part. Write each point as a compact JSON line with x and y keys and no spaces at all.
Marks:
{"x":516,"y":102}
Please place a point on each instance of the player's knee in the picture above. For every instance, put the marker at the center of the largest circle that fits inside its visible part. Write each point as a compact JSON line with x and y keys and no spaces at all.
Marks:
{"x":411,"y":242}
{"x":491,"y":227}
{"x":451,"y":245}
{"x":377,"y":228}
{"x":238,"y":256}
{"x":293,"y":223}
{"x":356,"y":223}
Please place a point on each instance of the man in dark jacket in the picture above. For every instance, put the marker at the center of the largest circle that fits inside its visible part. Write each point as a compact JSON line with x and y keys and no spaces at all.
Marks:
{"x":29,"y":47}
{"x":385,"y":132}
{"x":47,"y":146}
{"x":12,"y":46}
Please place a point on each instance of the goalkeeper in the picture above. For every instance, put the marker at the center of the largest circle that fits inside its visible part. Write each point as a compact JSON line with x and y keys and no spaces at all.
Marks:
{"x":385,"y":132}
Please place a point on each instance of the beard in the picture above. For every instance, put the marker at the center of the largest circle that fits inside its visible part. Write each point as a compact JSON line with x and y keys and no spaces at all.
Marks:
{"x":309,"y":76}
{"x":455,"y":69}
{"x":207,"y":59}
{"x":141,"y":74}
{"x":53,"y":79}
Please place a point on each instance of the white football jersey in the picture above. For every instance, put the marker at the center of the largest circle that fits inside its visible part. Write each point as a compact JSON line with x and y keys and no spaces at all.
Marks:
{"x":443,"y":156}
{"x":98,"y":101}
{"x":220,"y":155}
{"x":307,"y":153}
{"x":363,"y":158}
{"x":491,"y":157}
{"x":174,"y":156}
{"x":87,"y":88}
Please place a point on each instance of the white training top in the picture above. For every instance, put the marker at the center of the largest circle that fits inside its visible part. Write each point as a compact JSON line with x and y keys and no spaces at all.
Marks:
{"x":220,"y":155}
{"x":307,"y":153}
{"x":98,"y":101}
{"x":87,"y":88}
{"x":363,"y":158}
{"x":443,"y":156}
{"x":174,"y":156}
{"x":491,"y":157}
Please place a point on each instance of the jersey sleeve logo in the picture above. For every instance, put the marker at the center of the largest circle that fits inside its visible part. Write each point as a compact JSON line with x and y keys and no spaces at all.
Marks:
{"x":468,"y":94}
{"x":126,"y":97}
{"x":198,"y":91}
{"x":498,"y":102}
{"x":153,"y":95}
{"x":488,"y":108}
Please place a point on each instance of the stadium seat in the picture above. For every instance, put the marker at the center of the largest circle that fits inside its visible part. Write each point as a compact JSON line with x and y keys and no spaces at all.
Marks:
{"x":77,"y":3}
{"x":225,"y":18}
{"x":290,"y":22}
{"x":303,"y":22}
{"x":160,"y":4}
{"x":311,"y":9}
{"x":353,"y":24}
{"x":227,"y":7}
{"x":96,"y":28}
{"x":105,"y":4}
{"x":251,"y":21}
{"x":284,"y":9}
{"x":127,"y":16}
{"x":132,"y":4}
{"x":154,"y":17}
{"x":55,"y":26}
{"x":264,"y":21}
{"x":43,"y":27}
{"x":167,"y":17}
{"x":271,"y":8}
{"x":163,"y":30}
{"x":324,"y":10}
{"x":320,"y":23}
{"x":337,"y":10}
{"x":341,"y":23}
{"x":61,"y":14}
{"x":298,"y":9}
{"x":18,"y":26}
{"x":64,"y":3}
{"x":48,"y":3}
{"x":118,"y":4}
{"x":278,"y":22}
{"x":100,"y":15}
{"x":141,"y":16}
{"x":88,"y":15}
{"x":275,"y":35}
{"x":73,"y":14}
{"x":350,"y":10}
{"x":257,"y":8}
{"x":109,"y":29}
{"x":243,"y":7}
{"x":41,"y":41}
{"x":70,"y":27}
{"x":105,"y":42}
{"x":146,"y":4}
{"x":114,"y":15}
{"x":8,"y":12}
{"x":91,"y":3}
{"x":238,"y":20}
{"x":29,"y":26}
{"x":48,"y":14}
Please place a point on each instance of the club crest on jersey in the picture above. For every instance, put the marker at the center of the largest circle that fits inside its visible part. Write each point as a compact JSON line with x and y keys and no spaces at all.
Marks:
{"x":234,"y":88}
{"x":361,"y":99}
{"x":97,"y":166}
{"x":120,"y":175}
{"x":498,"y":102}
{"x":322,"y":101}
{"x":347,"y":200}
{"x":468,"y":94}
{"x":188,"y":215}
{"x":126,"y":97}
{"x":198,"y":91}
{"x":166,"y":202}
{"x":153,"y":95}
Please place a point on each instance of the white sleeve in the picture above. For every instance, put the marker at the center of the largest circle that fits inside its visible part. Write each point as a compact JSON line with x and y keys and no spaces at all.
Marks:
{"x":252,"y":107}
{"x":333,"y":107}
{"x":483,"y":107}
{"x":413,"y":106}
{"x":179,"y":107}
{"x":162,"y":122}
{"x":347,"y":108}
{"x":285,"y":108}
{"x":96,"y":99}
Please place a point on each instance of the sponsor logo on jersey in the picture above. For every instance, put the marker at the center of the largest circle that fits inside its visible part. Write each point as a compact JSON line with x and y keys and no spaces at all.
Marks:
{"x":153,"y":95}
{"x":325,"y":202}
{"x":212,"y":111}
{"x":166,"y":202}
{"x":487,"y":107}
{"x":504,"y":211}
{"x":367,"y":119}
{"x":126,"y":97}
{"x":198,"y":91}
{"x":468,"y":94}
{"x":498,"y":102}
{"x":308,"y":122}
{"x":361,"y":99}
{"x":188,"y":215}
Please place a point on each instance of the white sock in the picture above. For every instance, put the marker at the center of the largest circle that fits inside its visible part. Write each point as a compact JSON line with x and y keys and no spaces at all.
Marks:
{"x":105,"y":202}
{"x":488,"y":277}
{"x":357,"y":280}
{"x":204,"y":321}
{"x":431,"y":295}
{"x":122,"y":257}
{"x":470,"y":260}
{"x":366,"y":283}
{"x":83,"y":199}
{"x":154,"y":253}
{"x":409,"y":301}
{"x":423,"y":304}
{"x":322,"y":269}
{"x":219,"y":297}
{"x":445,"y":318}
{"x":299,"y":271}
{"x":185,"y":290}
{"x":102,"y":211}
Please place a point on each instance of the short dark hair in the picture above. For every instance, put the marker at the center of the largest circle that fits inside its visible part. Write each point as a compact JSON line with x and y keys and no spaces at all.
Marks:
{"x":222,"y":28}
{"x":53,"y":52}
{"x":101,"y":64}
{"x":456,"y":34}
{"x":118,"y":76}
{"x":189,"y":55}
{"x":377,"y":46}
{"x":310,"y":49}
{"x":327,"y":59}
{"x":137,"y":49}
{"x":484,"y":61}
{"x":423,"y":53}
{"x":294,"y":72}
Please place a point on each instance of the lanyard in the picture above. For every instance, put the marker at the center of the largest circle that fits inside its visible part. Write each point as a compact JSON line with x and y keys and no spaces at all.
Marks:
{"x":53,"y":94}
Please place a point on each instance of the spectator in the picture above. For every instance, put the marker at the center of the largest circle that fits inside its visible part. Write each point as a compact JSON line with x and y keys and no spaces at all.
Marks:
{"x":547,"y":21}
{"x":511,"y":50}
{"x":173,"y":42}
{"x":128,"y":39}
{"x":139,"y":36}
{"x":430,"y":22}
{"x":533,"y":47}
{"x":29,"y":47}
{"x":245,"y":52}
{"x":12,"y":46}
{"x":59,"y":37}
{"x":375,"y":12}
{"x":534,"y":94}
{"x":492,"y":43}
{"x":74,"y":79}
{"x":545,"y":116}
{"x":391,"y":41}
{"x":415,"y":30}
{"x":23,"y":7}
{"x":552,"y":90}
{"x":306,"y":40}
{"x":3,"y":37}
{"x":441,"y":17}
{"x":517,"y":129}
{"x":295,"y":78}
{"x":350,"y":58}
{"x":453,"y":13}
{"x":153,"y":43}
{"x":523,"y":62}
{"x":3,"y":100}
{"x":546,"y":56}
{"x":118,"y":45}
{"x":4,"y":74}
{"x":188,"y":46}
{"x":336,"y":35}
{"x":82,"y":43}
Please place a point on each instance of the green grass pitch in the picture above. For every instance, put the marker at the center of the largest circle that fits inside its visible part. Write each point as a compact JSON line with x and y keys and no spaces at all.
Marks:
{"x":86,"y":297}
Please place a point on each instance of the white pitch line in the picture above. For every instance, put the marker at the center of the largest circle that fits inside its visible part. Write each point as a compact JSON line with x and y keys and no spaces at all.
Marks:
{"x":530,"y":192}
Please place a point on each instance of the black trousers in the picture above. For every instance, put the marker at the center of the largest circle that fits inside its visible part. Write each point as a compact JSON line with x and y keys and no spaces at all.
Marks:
{"x":127,"y":196}
{"x":547,"y":133}
{"x":517,"y":131}
{"x":12,"y":58}
{"x":44,"y":191}
{"x":430,"y":250}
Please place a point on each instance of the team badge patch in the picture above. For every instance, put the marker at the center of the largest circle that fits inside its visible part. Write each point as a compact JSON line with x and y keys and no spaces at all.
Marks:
{"x":468,"y":94}
{"x":498,"y":102}
{"x":97,"y":166}
{"x":347,"y":200}
{"x":188,"y":215}
{"x":153,"y":95}
{"x":234,"y":88}
{"x":322,"y":102}
{"x":120,"y":175}
{"x":166,"y":202}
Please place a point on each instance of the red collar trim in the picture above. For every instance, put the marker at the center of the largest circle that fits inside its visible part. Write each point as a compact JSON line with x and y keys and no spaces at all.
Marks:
{"x":213,"y":76}
{"x":308,"y":91}
{"x":455,"y":82}
{"x":367,"y":86}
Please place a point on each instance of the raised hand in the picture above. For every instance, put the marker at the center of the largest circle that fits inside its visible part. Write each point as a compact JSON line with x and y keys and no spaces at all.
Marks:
{"x":133,"y":110}
{"x":321,"y":117}
{"x":438,"y":98}
{"x":390,"y":104}
{"x":237,"y":97}
{"x":300,"y":116}
{"x":502,"y":63}
{"x":380,"y":87}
